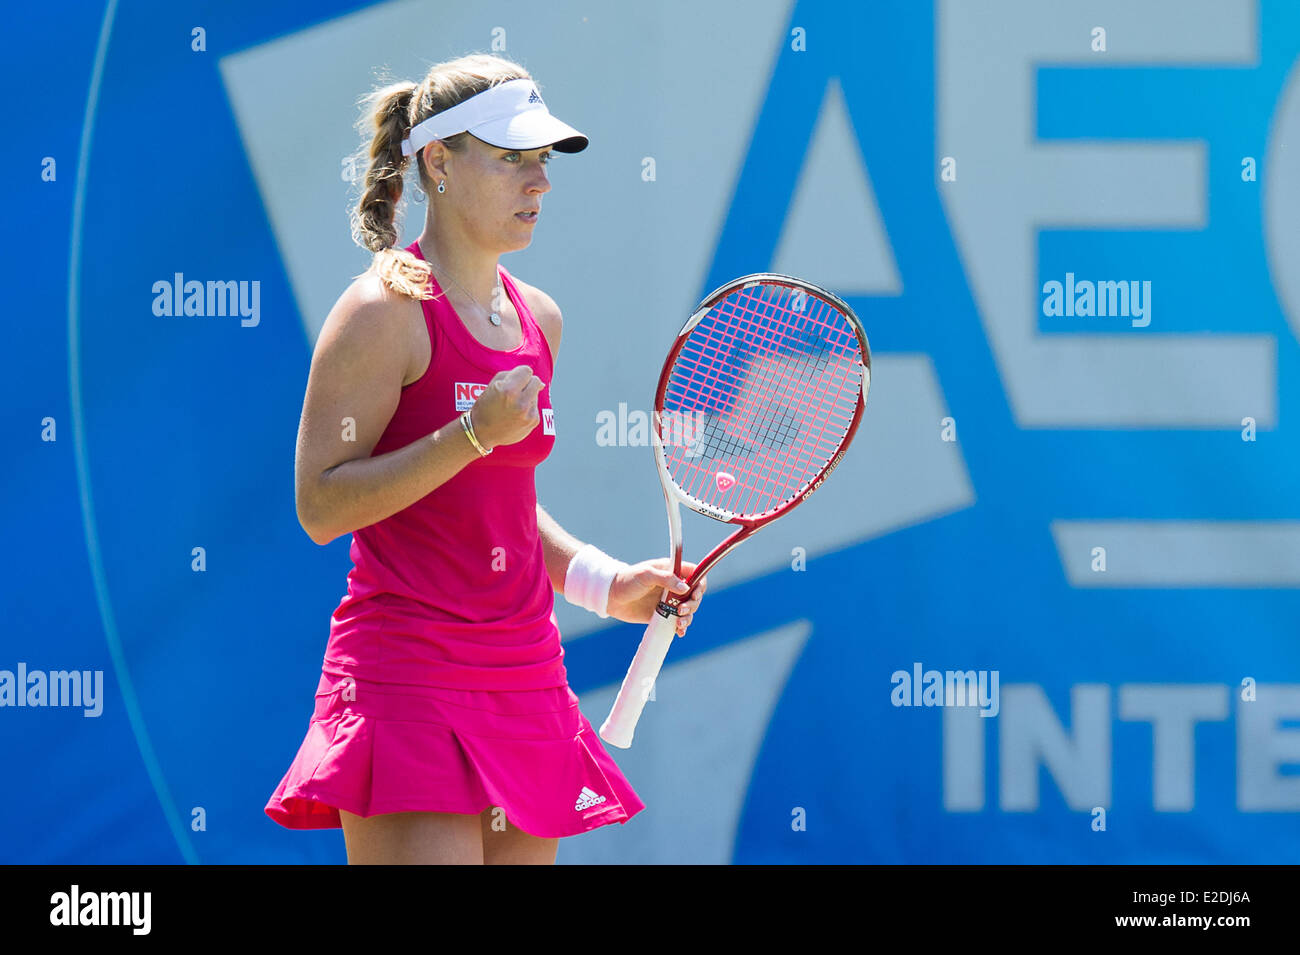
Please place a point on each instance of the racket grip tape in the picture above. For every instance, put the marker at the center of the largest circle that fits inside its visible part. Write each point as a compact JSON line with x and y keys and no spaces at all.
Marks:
{"x":621,"y":723}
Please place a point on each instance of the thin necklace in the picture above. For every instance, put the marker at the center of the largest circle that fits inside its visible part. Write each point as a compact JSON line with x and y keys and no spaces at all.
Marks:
{"x":493,"y":317}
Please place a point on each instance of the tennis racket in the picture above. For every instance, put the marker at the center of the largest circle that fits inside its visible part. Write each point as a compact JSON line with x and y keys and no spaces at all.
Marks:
{"x":757,"y":402}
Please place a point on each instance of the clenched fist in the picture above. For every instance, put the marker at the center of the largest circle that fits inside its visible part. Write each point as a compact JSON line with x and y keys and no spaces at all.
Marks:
{"x":506,"y":410}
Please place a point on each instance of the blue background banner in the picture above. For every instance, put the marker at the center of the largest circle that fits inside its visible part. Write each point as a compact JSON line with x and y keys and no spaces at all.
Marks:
{"x":1094,"y":514}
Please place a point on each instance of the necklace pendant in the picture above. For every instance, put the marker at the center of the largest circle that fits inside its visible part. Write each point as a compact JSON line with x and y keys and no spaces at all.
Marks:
{"x":495,"y":319}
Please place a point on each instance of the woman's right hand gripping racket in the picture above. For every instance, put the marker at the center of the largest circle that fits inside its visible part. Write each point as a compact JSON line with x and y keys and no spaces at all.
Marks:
{"x":758,"y":400}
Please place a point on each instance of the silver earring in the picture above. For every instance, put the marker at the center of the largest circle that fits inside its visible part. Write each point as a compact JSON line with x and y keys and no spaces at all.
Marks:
{"x":442,"y":186}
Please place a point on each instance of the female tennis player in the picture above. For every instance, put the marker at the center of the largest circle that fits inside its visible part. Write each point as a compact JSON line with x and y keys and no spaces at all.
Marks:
{"x":445,"y":730}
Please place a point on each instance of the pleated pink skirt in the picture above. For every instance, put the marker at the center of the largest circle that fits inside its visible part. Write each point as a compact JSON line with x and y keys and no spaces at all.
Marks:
{"x":374,"y":748}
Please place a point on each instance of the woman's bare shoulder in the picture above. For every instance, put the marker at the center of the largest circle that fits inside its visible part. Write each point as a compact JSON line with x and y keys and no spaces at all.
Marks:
{"x":371,"y":316}
{"x":371,"y":294}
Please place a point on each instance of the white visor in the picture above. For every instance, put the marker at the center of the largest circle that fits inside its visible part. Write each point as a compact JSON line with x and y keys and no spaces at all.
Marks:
{"x":509,"y":115}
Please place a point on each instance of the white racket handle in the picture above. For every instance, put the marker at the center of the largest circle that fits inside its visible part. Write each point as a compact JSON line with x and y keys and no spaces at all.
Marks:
{"x":621,"y":723}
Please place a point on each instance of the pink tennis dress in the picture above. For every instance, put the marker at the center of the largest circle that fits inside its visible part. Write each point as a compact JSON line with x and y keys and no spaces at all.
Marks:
{"x":443,"y":687}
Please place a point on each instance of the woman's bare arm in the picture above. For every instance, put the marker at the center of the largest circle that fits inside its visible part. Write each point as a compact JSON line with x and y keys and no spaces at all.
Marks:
{"x":558,"y":548}
{"x":353,"y":388}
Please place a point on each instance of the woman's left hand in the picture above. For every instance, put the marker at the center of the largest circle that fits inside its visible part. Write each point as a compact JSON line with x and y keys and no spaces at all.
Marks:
{"x":634,"y":593}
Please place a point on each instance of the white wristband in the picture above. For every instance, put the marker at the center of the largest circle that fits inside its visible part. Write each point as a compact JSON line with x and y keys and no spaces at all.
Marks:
{"x":588,"y":579}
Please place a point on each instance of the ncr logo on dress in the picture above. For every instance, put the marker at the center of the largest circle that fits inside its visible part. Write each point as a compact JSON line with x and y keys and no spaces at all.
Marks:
{"x":467,"y":393}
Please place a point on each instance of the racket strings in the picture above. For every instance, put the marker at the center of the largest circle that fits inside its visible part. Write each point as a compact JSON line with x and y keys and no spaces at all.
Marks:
{"x":770,"y":481}
{"x":773,"y":419}
{"x":773,"y":374}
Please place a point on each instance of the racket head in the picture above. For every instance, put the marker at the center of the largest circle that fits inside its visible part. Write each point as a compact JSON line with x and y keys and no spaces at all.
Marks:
{"x":759,"y":398}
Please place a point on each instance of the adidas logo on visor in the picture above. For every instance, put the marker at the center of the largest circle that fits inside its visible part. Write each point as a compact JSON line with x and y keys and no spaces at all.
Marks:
{"x":533,"y":97}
